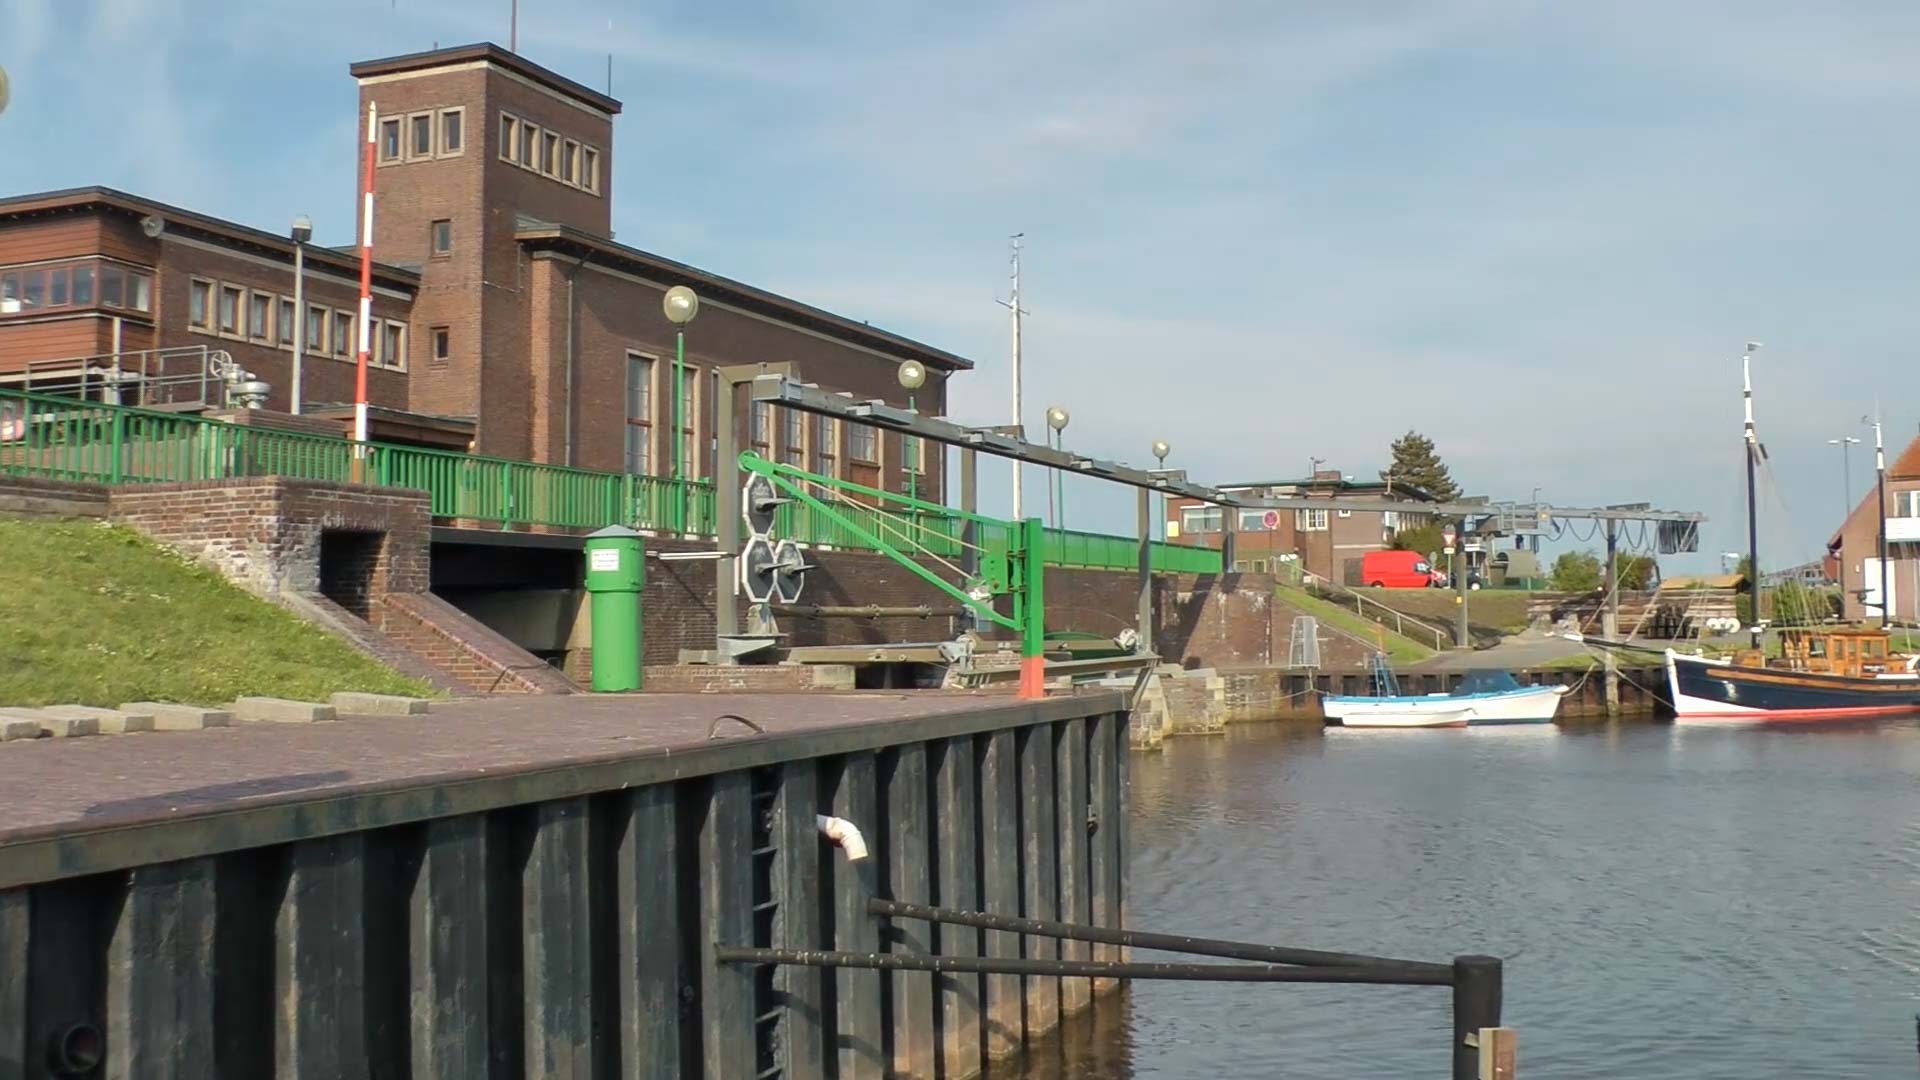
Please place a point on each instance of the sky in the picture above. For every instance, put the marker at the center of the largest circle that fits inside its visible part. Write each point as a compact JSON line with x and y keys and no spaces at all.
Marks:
{"x":1265,"y":231}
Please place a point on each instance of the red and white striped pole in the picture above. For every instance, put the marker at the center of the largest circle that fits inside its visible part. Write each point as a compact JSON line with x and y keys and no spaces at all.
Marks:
{"x":366,"y":282}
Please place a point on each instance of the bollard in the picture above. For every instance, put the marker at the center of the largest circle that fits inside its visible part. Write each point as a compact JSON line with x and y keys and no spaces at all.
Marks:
{"x":1476,"y":1005}
{"x":616,"y":574}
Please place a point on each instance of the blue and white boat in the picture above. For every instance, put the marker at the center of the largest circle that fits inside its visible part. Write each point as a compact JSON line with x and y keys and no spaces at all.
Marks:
{"x":1483,"y":698}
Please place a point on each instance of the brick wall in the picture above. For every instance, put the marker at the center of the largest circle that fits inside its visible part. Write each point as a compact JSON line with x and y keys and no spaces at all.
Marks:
{"x":481,"y":660}
{"x":24,"y":497}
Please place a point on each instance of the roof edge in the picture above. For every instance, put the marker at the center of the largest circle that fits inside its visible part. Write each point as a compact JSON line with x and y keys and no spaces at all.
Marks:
{"x":494,"y":54}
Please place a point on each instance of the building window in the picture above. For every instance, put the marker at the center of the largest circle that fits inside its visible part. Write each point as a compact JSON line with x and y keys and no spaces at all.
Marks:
{"x":230,"y":301}
{"x":441,"y":236}
{"x":33,"y":289}
{"x":1200,"y":519}
{"x":394,"y":345}
{"x":113,"y":286}
{"x":57,"y":288}
{"x":1907,"y":504}
{"x":390,"y":140}
{"x":550,"y":159}
{"x":529,"y":145}
{"x":343,"y":341}
{"x":260,"y":316}
{"x":639,"y":414}
{"x":509,"y":138}
{"x":452,"y":134}
{"x":139,"y":292}
{"x":1310,"y":520}
{"x":316,"y":329}
{"x":590,"y":168}
{"x":825,"y":448}
{"x":10,"y":292}
{"x":285,"y":337}
{"x":442,"y":345}
{"x":1344,"y":513}
{"x":420,"y":142}
{"x":792,"y":437}
{"x":1254,"y":521}
{"x":862,"y":445}
{"x":569,"y":158}
{"x":689,"y":383}
{"x":760,"y":428}
{"x":82,"y":286}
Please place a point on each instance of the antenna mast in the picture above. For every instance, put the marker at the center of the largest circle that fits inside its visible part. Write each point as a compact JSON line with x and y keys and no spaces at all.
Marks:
{"x":1013,"y":305}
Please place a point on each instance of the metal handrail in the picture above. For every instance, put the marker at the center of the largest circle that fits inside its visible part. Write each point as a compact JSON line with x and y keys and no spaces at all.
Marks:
{"x":1400,"y":619}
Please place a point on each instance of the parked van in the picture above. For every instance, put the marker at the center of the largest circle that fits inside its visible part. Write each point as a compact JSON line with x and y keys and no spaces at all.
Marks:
{"x":1396,"y":570}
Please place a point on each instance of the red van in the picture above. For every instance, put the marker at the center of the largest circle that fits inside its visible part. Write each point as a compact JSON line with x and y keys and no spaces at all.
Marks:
{"x":1396,"y":570}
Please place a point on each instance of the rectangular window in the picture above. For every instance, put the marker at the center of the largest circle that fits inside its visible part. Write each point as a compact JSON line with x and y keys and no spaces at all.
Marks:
{"x":824,"y":449}
{"x":1200,"y":519}
{"x":260,"y":316}
{"x":689,"y":408}
{"x":760,"y":429}
{"x":1909,"y":503}
{"x":442,"y":345}
{"x":390,"y":140}
{"x":316,"y":329}
{"x":421,"y":142}
{"x":285,"y":323}
{"x":57,"y":288}
{"x":1310,"y":520}
{"x":82,"y":286}
{"x":792,"y":437}
{"x":394,"y":341}
{"x":344,"y":341}
{"x":230,"y":300}
{"x":441,"y":236}
{"x":1253,"y":521}
{"x":139,"y":292}
{"x":10,"y":291}
{"x":862,"y":446}
{"x":529,"y":145}
{"x":33,"y":289}
{"x":509,"y":138}
{"x":550,"y":159}
{"x":589,"y":168}
{"x":113,"y":286}
{"x":639,"y":414}
{"x":1346,"y":513}
{"x":450,"y":130}
{"x":569,"y":157}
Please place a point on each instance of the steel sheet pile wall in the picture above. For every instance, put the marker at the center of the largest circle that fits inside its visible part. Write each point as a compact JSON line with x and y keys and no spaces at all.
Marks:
{"x":574,"y":937}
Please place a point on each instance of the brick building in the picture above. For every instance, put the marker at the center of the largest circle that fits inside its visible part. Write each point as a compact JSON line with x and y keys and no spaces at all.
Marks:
{"x":507,"y":319}
{"x":1328,"y":542}
{"x":1853,"y":552}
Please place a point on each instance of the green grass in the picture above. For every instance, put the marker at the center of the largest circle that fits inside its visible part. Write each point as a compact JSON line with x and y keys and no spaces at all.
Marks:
{"x":98,"y":615}
{"x":1491,"y":613}
{"x":1401,"y":650}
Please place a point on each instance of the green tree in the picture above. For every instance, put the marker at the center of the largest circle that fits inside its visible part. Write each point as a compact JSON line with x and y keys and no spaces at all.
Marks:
{"x":1416,"y":464}
{"x":1636,"y":572}
{"x":1426,"y":540}
{"x":1577,"y":572}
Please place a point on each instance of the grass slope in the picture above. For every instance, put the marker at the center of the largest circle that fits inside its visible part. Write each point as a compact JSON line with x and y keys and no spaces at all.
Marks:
{"x":1491,"y":613}
{"x":1400,"y":650}
{"x":99,"y":615}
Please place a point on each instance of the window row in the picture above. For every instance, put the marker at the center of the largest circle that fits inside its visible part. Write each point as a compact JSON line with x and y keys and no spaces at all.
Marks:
{"x":268,"y":319}
{"x":549,"y":153}
{"x":90,"y":283}
{"x":423,"y":136}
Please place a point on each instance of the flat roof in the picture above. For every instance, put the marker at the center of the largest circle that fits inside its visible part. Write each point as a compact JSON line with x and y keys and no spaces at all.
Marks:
{"x":492,"y":54}
{"x":218,"y":230}
{"x":541,"y":235}
{"x":1368,"y":486}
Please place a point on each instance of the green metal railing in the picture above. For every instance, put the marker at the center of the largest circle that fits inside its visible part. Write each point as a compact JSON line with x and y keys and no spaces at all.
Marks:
{"x":65,"y":438}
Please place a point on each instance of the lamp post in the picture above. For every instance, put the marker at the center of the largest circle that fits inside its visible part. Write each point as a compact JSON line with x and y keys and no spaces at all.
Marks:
{"x":302,"y":232}
{"x":1160,"y":451}
{"x":1057,"y":419}
{"x":1846,"y":444}
{"x":1880,"y":516}
{"x":912,"y":375}
{"x":680,"y":304}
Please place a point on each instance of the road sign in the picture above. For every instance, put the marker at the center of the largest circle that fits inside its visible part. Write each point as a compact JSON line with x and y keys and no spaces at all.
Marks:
{"x":789,"y":571}
{"x":1447,"y":535}
{"x":758,"y":566}
{"x":1271,"y":519}
{"x":759,"y":500}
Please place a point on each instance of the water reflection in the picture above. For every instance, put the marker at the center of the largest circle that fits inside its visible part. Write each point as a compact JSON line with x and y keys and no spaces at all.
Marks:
{"x":1682,"y":902}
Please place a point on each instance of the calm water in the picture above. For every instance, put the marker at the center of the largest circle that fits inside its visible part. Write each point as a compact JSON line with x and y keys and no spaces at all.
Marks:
{"x":1671,"y":902}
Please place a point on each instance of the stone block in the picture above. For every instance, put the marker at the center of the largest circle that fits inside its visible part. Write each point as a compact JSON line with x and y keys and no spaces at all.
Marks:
{"x":13,"y":726}
{"x":832,"y":676}
{"x":109,"y":721}
{"x":58,"y":727}
{"x":282,"y":710}
{"x":170,"y":717}
{"x":348,"y":703}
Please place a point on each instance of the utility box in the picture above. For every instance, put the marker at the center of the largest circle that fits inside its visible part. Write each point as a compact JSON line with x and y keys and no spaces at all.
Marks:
{"x":616,"y":574}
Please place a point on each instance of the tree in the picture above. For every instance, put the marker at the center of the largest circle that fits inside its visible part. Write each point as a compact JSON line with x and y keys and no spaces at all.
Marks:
{"x":1426,"y":540}
{"x":1577,"y":572}
{"x":1636,"y":572}
{"x":1415,"y":464}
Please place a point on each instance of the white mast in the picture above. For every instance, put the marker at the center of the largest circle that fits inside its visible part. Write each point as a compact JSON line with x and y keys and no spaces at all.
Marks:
{"x":1013,"y":305}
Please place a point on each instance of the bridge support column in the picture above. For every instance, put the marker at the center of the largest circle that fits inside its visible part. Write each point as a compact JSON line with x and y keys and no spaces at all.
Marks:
{"x":1610,"y":618}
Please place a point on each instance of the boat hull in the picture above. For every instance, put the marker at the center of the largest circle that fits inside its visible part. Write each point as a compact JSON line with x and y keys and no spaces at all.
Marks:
{"x":1713,"y":691}
{"x":1533,"y":705}
{"x":1385,"y":718}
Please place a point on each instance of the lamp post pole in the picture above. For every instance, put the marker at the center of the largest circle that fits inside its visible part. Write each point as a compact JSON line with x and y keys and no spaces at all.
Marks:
{"x":912,"y":376}
{"x":1057,"y":419}
{"x":680,"y":305}
{"x":302,"y":232}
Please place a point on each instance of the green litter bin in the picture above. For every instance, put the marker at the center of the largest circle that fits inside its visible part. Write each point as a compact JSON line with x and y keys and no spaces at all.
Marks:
{"x":616,"y":573}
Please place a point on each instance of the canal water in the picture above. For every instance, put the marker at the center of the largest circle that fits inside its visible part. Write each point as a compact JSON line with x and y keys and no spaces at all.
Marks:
{"x":1682,"y":902}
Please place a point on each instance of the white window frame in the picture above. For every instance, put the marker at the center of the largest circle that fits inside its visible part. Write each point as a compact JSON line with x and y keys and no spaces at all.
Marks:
{"x":649,"y":424}
{"x":212,"y":321}
{"x":1310,"y":520}
{"x":433,"y":136}
{"x":396,"y":362}
{"x":381,"y":157}
{"x":1253,"y":520}
{"x":1202,"y":519}
{"x":265,"y":336}
{"x":239,"y":331}
{"x":320,"y":319}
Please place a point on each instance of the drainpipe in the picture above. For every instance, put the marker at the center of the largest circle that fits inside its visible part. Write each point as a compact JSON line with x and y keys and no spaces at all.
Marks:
{"x":571,"y":274}
{"x":845,"y":834}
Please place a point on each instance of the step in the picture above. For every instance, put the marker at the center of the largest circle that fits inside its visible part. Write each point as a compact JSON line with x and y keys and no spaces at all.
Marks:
{"x":348,"y":703}
{"x":282,"y":710}
{"x":59,"y":727}
{"x":171,"y":717}
{"x":109,"y":721}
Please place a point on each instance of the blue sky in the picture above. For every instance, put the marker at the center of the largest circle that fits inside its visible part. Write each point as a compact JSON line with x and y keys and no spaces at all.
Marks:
{"x":1537,"y":232}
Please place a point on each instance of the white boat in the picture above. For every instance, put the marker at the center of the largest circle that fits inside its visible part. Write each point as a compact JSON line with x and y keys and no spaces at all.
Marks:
{"x":1484,"y":698}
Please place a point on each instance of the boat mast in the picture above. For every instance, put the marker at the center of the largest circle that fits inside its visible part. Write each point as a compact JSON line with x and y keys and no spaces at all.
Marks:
{"x":1753,"y":457}
{"x":1880,"y":466}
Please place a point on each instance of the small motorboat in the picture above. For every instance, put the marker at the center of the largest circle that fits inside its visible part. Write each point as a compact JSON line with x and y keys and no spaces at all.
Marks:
{"x":1483,"y":698}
